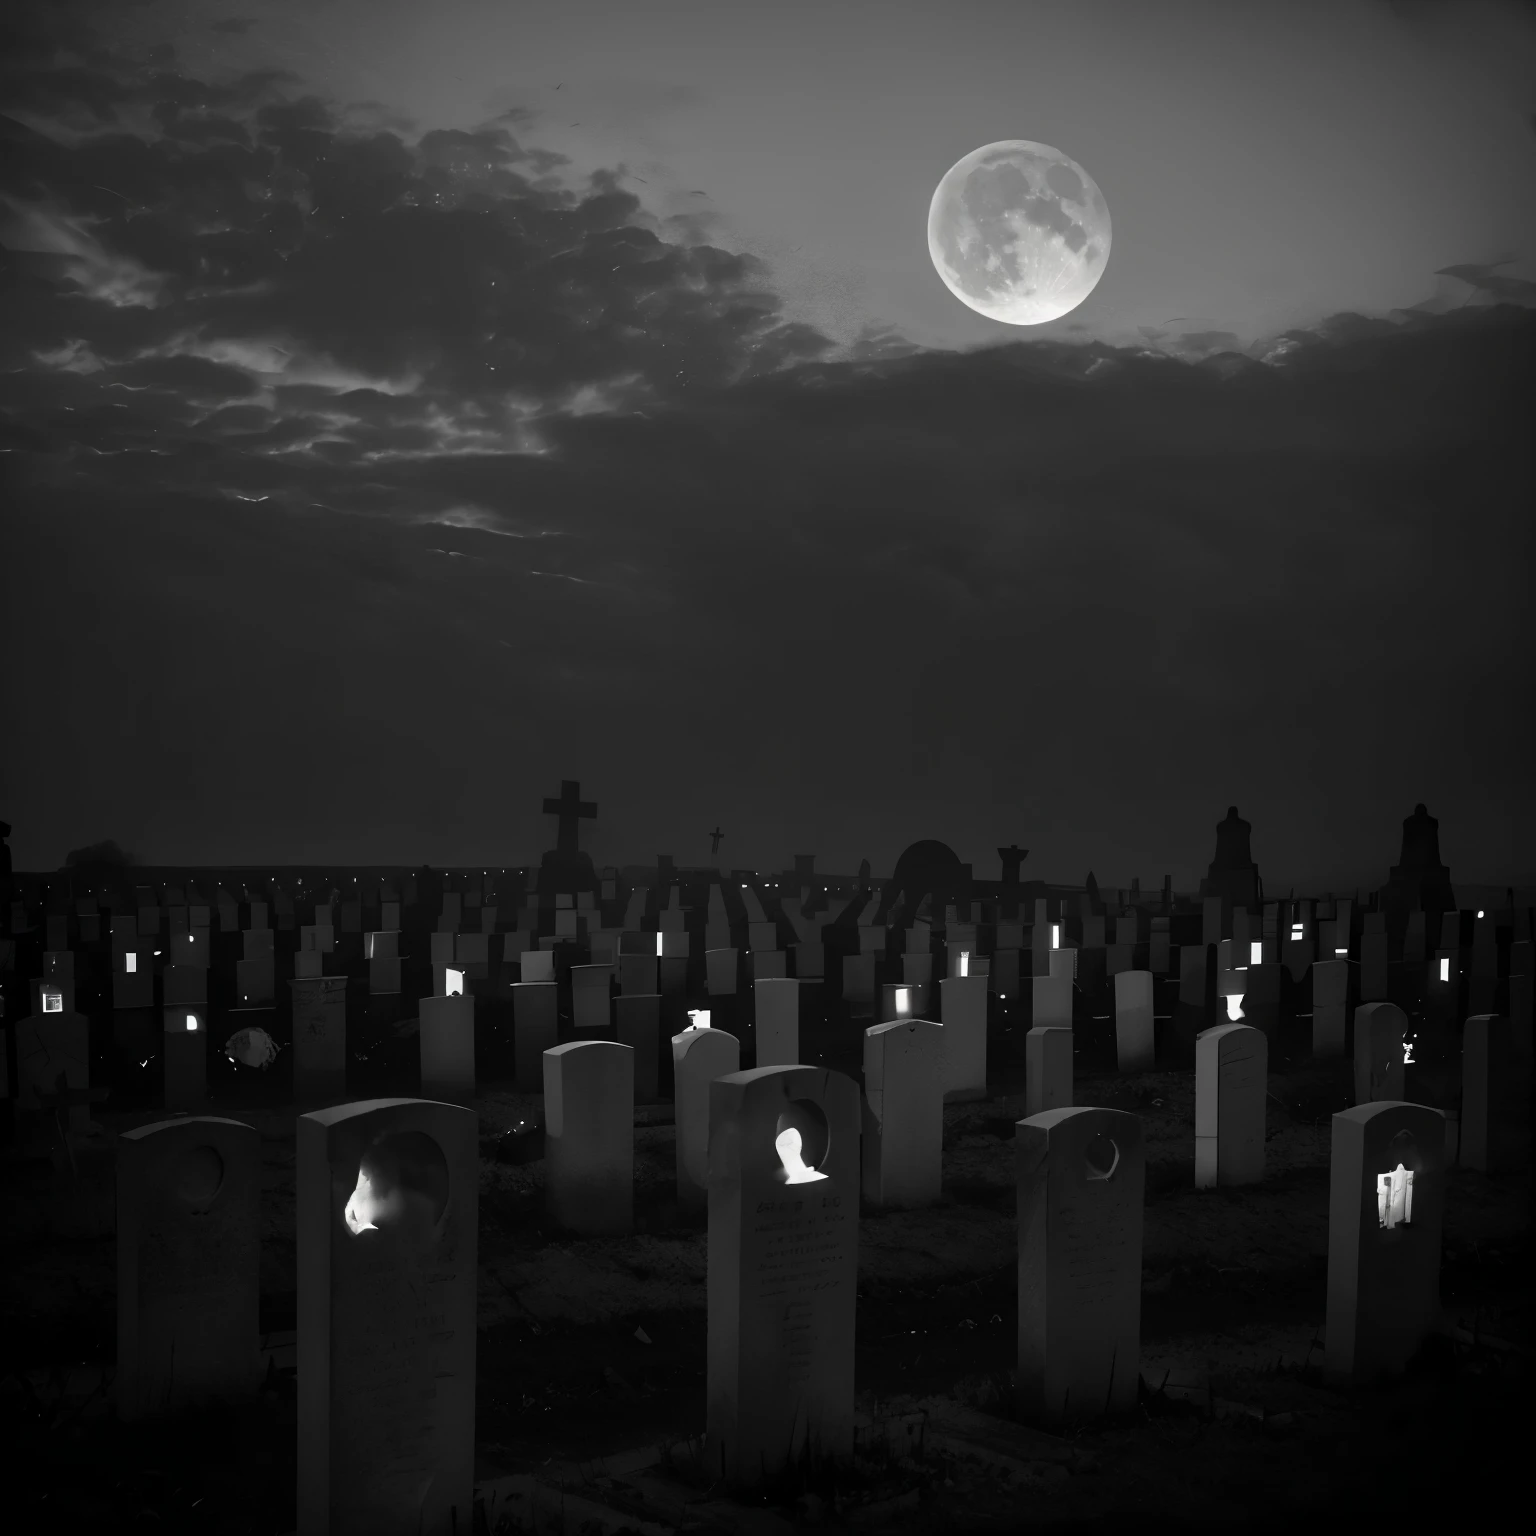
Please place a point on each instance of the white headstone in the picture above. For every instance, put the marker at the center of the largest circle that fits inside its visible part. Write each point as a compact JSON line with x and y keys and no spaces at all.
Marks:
{"x":1081,"y":1187}
{"x":903,"y":1113}
{"x":387,"y":1220}
{"x":776,"y":1002}
{"x":188,"y":1266}
{"x":1231,"y":1080}
{"x":1048,"y":1069}
{"x":589,"y":1131}
{"x":1380,"y":1029}
{"x":782,"y":1272}
{"x":699,"y":1056}
{"x":963,"y":1013}
{"x":1386,"y":1198}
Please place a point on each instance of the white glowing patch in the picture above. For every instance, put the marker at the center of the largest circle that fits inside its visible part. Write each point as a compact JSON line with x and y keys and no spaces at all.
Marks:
{"x":700,"y":1017}
{"x":1055,"y":936}
{"x":191,"y":1023}
{"x":965,"y":963}
{"x":1445,"y":970}
{"x":1235,"y":1006}
{"x":1341,"y":951}
{"x":131,"y":964}
{"x":453,"y":984}
{"x":787,"y":1143}
{"x":1407,"y":1053}
{"x":658,"y":946}
{"x":1297,"y":930}
{"x":365,"y":1208}
{"x":903,"y":1002}
{"x":53,"y":1002}
{"x":1256,"y":952}
{"x":1394,"y":1197}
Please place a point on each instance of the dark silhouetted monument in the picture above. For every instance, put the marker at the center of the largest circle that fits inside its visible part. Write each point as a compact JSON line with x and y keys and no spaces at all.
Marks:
{"x":1233,"y":875}
{"x":1418,"y":881}
{"x":1012,"y":856}
{"x":932,"y":869}
{"x":714,"y":840}
{"x":565,"y":869}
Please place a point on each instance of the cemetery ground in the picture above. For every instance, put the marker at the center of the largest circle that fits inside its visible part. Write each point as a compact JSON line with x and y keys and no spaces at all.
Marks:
{"x":591,"y":1355}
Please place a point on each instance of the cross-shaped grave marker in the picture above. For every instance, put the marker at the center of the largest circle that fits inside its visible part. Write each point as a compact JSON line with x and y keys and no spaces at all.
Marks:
{"x":569,"y":807}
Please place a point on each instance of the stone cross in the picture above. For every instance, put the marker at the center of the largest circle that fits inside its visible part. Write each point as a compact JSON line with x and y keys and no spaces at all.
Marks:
{"x":569,"y":807}
{"x":1012,"y":856}
{"x":714,"y":840}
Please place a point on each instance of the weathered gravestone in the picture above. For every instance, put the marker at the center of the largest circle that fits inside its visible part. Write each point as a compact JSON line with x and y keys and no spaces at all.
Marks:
{"x":699,"y":1056}
{"x":1134,"y":1039}
{"x":387,"y":1216}
{"x":589,"y":1137}
{"x":859,"y":980}
{"x":1494,"y":1088}
{"x":537,"y":965}
{"x":776,"y":1003}
{"x":591,"y":997}
{"x":188,"y":1265}
{"x":535,"y":1028}
{"x":903,"y":1113}
{"x":1331,"y":983}
{"x":133,"y":980}
{"x":782,"y":1272}
{"x":637,"y":975}
{"x":1081,"y":1184}
{"x":1386,"y":1196}
{"x":1231,"y":1080}
{"x":1052,"y":998}
{"x":319,"y":1037}
{"x":769,"y":964}
{"x":637,"y":1023}
{"x":447,"y":1031}
{"x":1379,"y":1032}
{"x":184,"y":1057}
{"x":1048,"y":1069}
{"x":963,"y":1013}
{"x":720,"y":967}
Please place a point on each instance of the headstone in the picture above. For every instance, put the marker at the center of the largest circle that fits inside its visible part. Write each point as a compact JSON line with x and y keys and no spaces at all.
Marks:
{"x":1048,"y":1069}
{"x":810,"y":961}
{"x":1386,"y":1194}
{"x":255,"y":983}
{"x":782,"y":1272}
{"x":537,"y":965}
{"x":319,"y":1037}
{"x":447,"y":1030}
{"x":699,"y":1056}
{"x":387,"y":1221}
{"x":591,"y":997}
{"x":776,"y":1003}
{"x":720,"y":966}
{"x":1262,"y":986}
{"x":769,"y":964}
{"x":184,"y":984}
{"x":50,"y":1046}
{"x":258,"y":944}
{"x":1331,"y":982}
{"x":963,"y":1013}
{"x":589,"y":1137}
{"x":133,"y":980}
{"x":1081,"y":1188}
{"x":535,"y":1029}
{"x":859,"y":980}
{"x":1160,"y":947}
{"x":917,"y":970}
{"x":184,"y":1057}
{"x":1494,"y":1133}
{"x":1134,"y":1036}
{"x":637,"y":1023}
{"x":903,"y":1113}
{"x":1373,"y":964}
{"x":188,"y":1266}
{"x":1231,"y":1080}
{"x":1052,"y":1002}
{"x":1379,"y":1032}
{"x":472,"y":954}
{"x":637,"y":975}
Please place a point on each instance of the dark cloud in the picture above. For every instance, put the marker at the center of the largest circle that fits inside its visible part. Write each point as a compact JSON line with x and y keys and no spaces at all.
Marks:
{"x":401,"y":477}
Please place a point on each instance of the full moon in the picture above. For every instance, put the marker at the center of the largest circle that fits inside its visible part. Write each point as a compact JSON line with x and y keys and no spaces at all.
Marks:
{"x":1019,"y":231}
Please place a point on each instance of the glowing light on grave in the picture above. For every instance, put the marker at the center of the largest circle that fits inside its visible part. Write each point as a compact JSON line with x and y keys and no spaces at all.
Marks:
{"x":1479,"y":914}
{"x":700,"y":1017}
{"x":1055,"y":935}
{"x":1234,"y":1006}
{"x":366,"y":1206}
{"x":903,"y":1003}
{"x":1341,"y":951}
{"x":1445,"y":970}
{"x":965,"y":963}
{"x":658,"y":946}
{"x":191,"y":1023}
{"x":1394,"y":1197}
{"x":1256,"y":952}
{"x":1408,"y":1051}
{"x":53,"y":1002}
{"x":787,"y":1143}
{"x":131,"y":964}
{"x":1297,"y":930}
{"x":453,"y":983}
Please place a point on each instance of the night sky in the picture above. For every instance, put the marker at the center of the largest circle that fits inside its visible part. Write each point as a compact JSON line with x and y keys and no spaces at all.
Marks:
{"x":407,"y":407}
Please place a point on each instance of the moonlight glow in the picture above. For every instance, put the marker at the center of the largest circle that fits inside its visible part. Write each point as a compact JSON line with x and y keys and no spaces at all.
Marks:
{"x":1019,"y":231}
